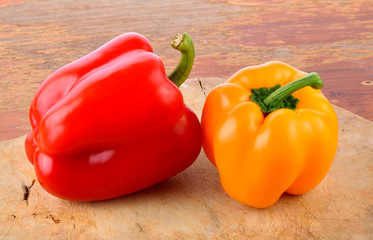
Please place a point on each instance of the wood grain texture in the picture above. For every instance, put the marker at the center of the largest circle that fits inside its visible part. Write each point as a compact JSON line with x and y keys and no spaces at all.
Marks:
{"x":334,"y":38}
{"x":193,"y":205}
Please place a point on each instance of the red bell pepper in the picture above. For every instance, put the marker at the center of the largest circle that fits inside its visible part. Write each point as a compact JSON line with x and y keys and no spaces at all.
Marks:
{"x":112,"y":122}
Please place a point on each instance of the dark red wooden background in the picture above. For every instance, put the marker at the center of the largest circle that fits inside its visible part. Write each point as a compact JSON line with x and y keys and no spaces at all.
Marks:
{"x":333,"y":38}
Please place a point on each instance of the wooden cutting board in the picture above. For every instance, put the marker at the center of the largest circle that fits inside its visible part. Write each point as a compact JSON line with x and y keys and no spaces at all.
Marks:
{"x":193,"y":205}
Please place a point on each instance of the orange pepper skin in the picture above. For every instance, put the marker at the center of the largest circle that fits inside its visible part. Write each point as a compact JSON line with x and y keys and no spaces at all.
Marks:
{"x":260,"y":157}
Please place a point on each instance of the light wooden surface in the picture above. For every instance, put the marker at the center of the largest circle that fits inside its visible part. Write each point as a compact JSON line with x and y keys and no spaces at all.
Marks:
{"x":192,"y":205}
{"x":333,"y":38}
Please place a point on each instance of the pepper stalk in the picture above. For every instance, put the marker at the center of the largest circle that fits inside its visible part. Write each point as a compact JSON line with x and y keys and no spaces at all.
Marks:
{"x":184,"y":44}
{"x":271,"y":99}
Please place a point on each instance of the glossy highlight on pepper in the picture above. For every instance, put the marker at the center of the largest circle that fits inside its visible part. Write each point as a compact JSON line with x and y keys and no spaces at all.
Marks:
{"x":260,"y":155}
{"x":112,"y":122}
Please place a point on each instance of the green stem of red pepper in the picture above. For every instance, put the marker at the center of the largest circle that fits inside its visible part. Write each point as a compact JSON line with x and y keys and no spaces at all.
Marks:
{"x":312,"y":79}
{"x":183,"y":43}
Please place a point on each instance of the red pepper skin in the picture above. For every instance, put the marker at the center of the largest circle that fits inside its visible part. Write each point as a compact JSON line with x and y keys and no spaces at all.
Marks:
{"x":110,"y":123}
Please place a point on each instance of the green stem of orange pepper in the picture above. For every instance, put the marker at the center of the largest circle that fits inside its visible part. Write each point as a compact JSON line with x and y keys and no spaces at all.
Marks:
{"x":312,"y":79}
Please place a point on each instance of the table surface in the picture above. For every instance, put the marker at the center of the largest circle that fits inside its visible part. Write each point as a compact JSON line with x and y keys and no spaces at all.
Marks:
{"x":192,"y":204}
{"x":333,"y":38}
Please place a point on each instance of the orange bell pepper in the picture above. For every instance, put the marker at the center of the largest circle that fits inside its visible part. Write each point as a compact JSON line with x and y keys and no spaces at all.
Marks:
{"x":285,"y":142}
